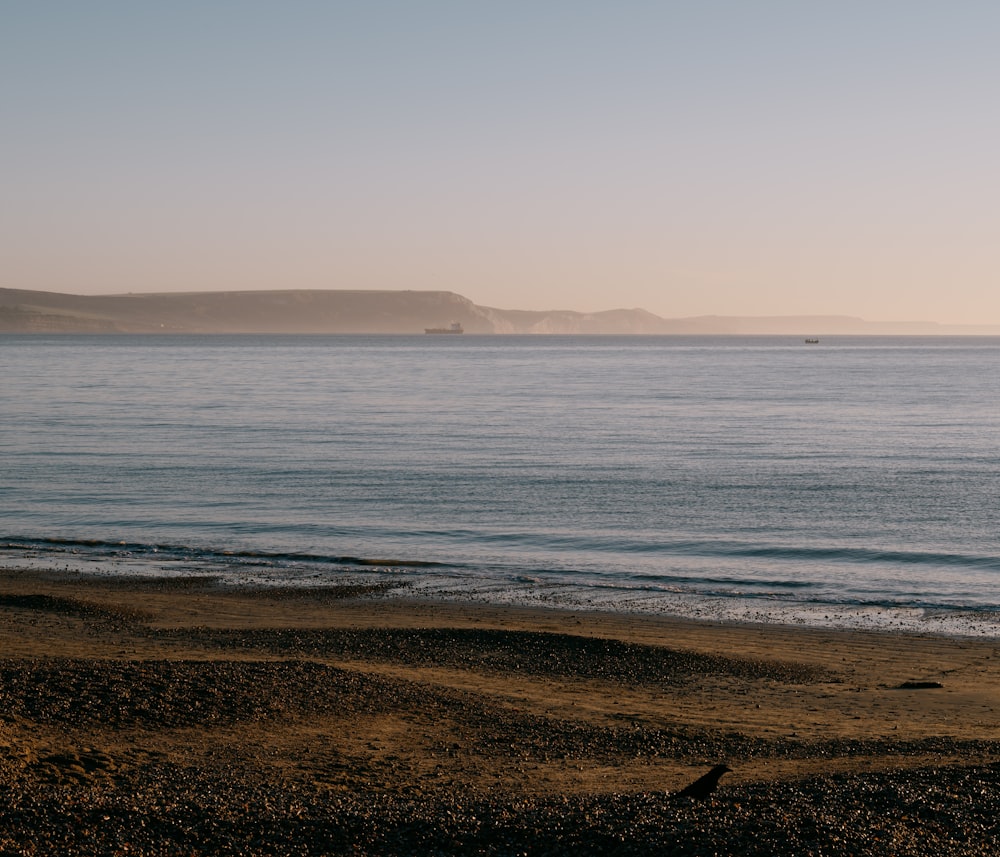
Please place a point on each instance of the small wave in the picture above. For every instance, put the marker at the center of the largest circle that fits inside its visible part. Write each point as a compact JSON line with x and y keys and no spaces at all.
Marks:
{"x":852,"y":555}
{"x":606,"y":543}
{"x":162,"y":552}
{"x":860,"y":556}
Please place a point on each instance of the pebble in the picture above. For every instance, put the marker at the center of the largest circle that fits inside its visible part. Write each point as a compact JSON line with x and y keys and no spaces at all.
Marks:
{"x":169,"y":810}
{"x":81,"y":801}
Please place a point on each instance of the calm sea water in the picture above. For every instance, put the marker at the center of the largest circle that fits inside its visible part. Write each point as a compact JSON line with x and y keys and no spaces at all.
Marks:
{"x":854,"y":482}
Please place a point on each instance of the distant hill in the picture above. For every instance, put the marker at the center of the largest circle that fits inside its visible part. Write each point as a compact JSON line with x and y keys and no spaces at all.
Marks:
{"x":239,"y":312}
{"x":359,"y":311}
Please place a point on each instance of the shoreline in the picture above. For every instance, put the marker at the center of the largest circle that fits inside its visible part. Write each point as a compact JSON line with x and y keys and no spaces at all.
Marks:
{"x":954,"y":622}
{"x":339,"y":701}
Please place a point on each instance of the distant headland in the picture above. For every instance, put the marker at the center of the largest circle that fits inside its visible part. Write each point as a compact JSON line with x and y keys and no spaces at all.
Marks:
{"x":372,"y":311}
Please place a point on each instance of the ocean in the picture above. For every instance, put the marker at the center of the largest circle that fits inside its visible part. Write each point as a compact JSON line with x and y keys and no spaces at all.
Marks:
{"x":851,"y":483}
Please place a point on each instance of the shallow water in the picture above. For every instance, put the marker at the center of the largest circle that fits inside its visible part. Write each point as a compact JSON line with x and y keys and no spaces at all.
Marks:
{"x":854,"y":482}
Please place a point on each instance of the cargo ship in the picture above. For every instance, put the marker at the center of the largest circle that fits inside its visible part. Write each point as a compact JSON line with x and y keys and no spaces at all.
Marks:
{"x":454,"y":328}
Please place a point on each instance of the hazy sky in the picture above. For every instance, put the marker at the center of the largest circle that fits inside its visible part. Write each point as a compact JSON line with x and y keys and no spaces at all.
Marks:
{"x":731,"y":157}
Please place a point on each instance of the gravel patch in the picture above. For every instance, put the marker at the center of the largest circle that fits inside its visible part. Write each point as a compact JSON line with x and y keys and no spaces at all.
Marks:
{"x":518,"y":652}
{"x":946,"y":811}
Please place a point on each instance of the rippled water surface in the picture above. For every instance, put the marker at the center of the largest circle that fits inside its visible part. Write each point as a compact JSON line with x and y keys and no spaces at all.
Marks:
{"x":852,"y":482}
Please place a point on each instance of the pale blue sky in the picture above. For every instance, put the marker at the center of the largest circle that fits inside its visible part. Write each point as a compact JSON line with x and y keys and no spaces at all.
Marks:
{"x":687,"y":157}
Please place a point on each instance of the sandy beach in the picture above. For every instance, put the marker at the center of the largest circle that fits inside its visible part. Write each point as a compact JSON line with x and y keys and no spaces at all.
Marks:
{"x":184,"y":717}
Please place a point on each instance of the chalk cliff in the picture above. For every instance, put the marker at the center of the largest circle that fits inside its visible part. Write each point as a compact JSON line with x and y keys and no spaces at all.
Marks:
{"x":362,"y":311}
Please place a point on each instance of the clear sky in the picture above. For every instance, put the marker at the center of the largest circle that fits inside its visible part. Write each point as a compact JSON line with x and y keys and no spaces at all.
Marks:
{"x":738,"y":157}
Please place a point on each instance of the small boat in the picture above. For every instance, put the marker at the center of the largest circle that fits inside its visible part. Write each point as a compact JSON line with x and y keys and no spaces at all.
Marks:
{"x":812,"y":342}
{"x":454,"y":328}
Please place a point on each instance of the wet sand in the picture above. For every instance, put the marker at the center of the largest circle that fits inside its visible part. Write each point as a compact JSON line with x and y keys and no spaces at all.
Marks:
{"x":182,"y":717}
